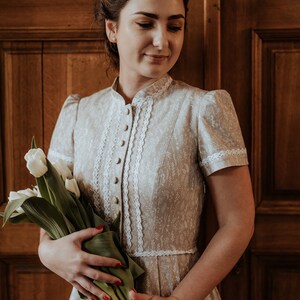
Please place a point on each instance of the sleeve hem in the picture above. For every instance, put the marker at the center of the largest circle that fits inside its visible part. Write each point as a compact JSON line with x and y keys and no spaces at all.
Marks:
{"x":224,"y":159}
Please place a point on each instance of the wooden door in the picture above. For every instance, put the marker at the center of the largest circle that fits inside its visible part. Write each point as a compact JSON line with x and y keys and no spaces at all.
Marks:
{"x":260,"y":67}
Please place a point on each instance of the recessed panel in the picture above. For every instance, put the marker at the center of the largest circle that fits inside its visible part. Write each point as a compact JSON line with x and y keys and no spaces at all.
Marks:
{"x":287,"y":120}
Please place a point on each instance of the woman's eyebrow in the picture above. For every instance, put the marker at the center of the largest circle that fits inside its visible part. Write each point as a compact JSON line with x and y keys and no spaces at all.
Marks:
{"x":156,"y":17}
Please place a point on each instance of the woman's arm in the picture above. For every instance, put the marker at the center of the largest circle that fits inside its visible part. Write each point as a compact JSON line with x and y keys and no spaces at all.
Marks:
{"x":231,"y":192}
{"x":65,"y":258}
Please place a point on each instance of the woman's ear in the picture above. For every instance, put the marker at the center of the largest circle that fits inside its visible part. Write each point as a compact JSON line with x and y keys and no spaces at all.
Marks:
{"x":111,"y":30}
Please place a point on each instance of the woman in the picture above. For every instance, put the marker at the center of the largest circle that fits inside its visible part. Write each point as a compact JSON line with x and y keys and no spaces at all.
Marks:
{"x":145,"y":147}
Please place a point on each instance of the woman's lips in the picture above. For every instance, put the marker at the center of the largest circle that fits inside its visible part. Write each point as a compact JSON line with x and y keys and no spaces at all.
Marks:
{"x":157,"y":57}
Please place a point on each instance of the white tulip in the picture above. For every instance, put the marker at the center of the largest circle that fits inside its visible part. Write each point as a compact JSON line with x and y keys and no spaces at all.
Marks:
{"x":28,"y":193}
{"x":72,"y":186}
{"x":62,"y":169}
{"x":21,"y":195}
{"x":36,"y":162}
{"x":37,"y":191}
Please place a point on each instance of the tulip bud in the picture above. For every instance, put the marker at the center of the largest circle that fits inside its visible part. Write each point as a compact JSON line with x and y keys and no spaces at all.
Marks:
{"x":62,"y":169}
{"x":72,"y":186}
{"x":36,"y":162}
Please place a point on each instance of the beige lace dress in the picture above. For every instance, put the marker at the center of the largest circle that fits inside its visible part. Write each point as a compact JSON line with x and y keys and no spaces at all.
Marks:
{"x":148,"y":160}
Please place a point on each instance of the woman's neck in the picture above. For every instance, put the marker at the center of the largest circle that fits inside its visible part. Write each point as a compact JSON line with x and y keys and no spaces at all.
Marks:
{"x":128,"y":87}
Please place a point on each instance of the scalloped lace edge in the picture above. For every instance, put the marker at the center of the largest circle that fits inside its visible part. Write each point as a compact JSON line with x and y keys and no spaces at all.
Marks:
{"x":216,"y":156}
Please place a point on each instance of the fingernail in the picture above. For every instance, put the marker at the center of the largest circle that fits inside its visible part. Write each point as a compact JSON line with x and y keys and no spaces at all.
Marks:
{"x":133,"y":290}
{"x":119,"y":283}
{"x":106,"y":298}
{"x":100,"y":227}
{"x":120,"y":265}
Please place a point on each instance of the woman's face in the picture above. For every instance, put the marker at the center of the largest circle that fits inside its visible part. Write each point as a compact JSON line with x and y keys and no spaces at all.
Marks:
{"x":149,"y":35}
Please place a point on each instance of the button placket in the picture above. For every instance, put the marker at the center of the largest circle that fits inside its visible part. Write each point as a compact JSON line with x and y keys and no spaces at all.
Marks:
{"x":121,"y":149}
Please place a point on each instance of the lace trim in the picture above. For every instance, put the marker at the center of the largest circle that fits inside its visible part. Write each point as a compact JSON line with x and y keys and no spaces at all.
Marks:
{"x":162,"y":252}
{"x":96,"y":171}
{"x":216,"y":156}
{"x":127,"y":222}
{"x":57,"y":155}
{"x":106,"y":177}
{"x":136,"y":199}
{"x":156,"y":89}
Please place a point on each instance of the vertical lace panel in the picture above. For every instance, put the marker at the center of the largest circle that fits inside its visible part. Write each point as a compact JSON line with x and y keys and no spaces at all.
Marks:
{"x":136,"y":199}
{"x":127,"y":222}
{"x":99,"y":158}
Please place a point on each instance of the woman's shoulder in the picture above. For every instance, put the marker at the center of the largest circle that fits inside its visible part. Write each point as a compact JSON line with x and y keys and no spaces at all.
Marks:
{"x":201,"y":98}
{"x":199,"y":93}
{"x":99,"y":96}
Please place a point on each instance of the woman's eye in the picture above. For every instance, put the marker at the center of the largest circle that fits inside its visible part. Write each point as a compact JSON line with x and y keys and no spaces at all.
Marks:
{"x":175,"y":28}
{"x":144,"y":25}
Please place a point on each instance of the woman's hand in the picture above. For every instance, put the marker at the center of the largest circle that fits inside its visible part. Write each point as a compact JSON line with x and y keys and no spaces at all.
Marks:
{"x":65,"y":258}
{"x":138,"y":296}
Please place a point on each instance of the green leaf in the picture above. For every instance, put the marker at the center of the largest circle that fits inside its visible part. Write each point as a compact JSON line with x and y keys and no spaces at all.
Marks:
{"x":63,"y":200}
{"x":108,"y":289}
{"x":45,"y":215}
{"x":11,"y":207}
{"x":41,"y":183}
{"x":115,"y":226}
{"x":17,"y":218}
{"x":107,"y":244}
{"x":33,"y":144}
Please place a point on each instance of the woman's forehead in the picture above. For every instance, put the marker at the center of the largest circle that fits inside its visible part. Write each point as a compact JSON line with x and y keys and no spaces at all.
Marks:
{"x":155,"y":7}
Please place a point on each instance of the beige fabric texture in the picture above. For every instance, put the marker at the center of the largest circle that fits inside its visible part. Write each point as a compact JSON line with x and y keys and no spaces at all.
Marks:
{"x":148,"y":160}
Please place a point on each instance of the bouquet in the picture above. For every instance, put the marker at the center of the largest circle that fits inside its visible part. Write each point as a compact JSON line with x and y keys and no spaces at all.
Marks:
{"x":56,"y":205}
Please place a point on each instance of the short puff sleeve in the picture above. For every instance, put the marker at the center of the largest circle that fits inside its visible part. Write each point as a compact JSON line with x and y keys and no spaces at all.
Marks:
{"x":62,"y":142}
{"x":220,"y":140}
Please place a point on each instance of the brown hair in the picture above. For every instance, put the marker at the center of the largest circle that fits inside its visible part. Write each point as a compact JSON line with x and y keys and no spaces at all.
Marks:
{"x":110,"y":10}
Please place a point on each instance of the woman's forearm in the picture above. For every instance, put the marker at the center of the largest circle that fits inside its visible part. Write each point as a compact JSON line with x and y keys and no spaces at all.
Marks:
{"x":222,"y":253}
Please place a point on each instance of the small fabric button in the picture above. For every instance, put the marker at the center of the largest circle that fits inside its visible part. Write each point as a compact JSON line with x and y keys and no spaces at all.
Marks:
{"x":116,"y":200}
{"x":125,"y":127}
{"x":122,"y":143}
{"x":118,"y":160}
{"x":127,"y":111}
{"x":116,"y":180}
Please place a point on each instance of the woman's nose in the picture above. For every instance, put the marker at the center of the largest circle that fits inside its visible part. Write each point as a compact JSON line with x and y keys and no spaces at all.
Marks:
{"x":160,"y":39}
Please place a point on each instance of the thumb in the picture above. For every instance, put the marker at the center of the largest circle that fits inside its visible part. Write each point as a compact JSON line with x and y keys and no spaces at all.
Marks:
{"x":132,"y":295}
{"x":137,"y":296}
{"x":86,"y":234}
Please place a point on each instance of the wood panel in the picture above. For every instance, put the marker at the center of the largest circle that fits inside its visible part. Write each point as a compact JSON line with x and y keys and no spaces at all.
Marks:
{"x":191,"y":64}
{"x":66,"y":14}
{"x":71,"y":67}
{"x":30,"y":280}
{"x":278,"y":274}
{"x":275,"y":118}
{"x":22,"y":114}
{"x":287,"y":119}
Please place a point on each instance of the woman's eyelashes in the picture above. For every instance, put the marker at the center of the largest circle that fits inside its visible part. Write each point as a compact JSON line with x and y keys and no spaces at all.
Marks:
{"x":145,"y":25}
{"x":150,"y":25}
{"x":174,"y":28}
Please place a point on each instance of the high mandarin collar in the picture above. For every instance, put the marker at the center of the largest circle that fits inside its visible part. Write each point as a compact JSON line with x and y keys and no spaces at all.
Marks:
{"x":154,"y":90}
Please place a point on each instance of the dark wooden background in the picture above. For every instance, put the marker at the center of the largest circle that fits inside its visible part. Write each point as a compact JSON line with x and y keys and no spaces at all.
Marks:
{"x":50,"y":49}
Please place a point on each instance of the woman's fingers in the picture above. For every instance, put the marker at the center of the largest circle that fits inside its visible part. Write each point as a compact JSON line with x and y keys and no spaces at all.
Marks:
{"x":96,"y":260}
{"x":85,"y":234}
{"x":87,"y":288}
{"x":101,"y":276}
